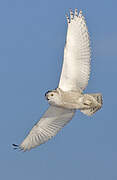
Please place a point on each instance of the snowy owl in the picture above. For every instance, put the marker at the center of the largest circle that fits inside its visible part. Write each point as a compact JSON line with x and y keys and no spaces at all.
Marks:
{"x":68,"y":97}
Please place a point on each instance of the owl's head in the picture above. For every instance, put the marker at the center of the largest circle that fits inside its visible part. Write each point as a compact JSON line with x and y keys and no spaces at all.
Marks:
{"x":53,"y":97}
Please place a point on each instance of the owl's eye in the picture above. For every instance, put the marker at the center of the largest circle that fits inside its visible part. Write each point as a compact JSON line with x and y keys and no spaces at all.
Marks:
{"x":52,"y":94}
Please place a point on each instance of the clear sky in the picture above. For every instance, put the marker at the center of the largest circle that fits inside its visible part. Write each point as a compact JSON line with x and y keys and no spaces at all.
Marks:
{"x":32,"y":38}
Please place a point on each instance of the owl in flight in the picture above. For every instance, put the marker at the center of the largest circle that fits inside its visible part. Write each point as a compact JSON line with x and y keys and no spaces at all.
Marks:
{"x":68,"y":97}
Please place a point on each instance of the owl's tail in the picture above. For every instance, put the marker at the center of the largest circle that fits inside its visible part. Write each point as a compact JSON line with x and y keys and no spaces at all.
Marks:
{"x":92,"y":110}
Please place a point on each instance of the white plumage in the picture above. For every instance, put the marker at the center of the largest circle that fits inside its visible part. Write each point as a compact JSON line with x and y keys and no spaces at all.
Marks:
{"x":68,"y":96}
{"x":76,"y":63}
{"x":52,"y":121}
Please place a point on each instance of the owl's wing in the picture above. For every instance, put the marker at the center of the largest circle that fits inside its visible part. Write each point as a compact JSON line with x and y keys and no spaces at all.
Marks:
{"x":76,"y":64}
{"x":54,"y":119}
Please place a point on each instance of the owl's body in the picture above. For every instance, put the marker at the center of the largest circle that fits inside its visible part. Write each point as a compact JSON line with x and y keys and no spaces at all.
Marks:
{"x":87,"y":103}
{"x":68,"y":97}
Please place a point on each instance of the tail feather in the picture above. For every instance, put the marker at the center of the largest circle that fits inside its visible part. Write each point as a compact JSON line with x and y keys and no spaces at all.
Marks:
{"x":92,"y":110}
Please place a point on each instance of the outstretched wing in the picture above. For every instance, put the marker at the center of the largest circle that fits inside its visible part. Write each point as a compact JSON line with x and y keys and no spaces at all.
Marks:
{"x":76,"y":63}
{"x":52,"y":121}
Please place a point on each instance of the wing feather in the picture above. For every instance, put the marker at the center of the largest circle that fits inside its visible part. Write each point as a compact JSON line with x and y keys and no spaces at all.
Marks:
{"x":76,"y":64}
{"x":52,"y":121}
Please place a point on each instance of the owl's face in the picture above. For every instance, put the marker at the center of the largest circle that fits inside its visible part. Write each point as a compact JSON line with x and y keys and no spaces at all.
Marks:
{"x":53,"y":97}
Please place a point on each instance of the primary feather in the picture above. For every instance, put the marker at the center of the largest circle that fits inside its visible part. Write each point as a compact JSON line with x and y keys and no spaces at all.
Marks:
{"x":76,"y":63}
{"x":52,"y":121}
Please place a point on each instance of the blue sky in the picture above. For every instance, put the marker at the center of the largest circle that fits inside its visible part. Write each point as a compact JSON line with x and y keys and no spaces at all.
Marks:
{"x":32,"y":38}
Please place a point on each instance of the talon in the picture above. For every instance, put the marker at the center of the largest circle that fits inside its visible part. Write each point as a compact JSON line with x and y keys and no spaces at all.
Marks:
{"x":88,"y":103}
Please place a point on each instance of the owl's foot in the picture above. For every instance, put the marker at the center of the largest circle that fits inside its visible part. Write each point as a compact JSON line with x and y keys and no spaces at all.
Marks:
{"x":92,"y":100}
{"x":88,"y":103}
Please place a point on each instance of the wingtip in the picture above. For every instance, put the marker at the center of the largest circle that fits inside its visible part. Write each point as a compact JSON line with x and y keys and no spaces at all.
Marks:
{"x":76,"y":12}
{"x":67,"y":17}
{"x":80,"y":13}
{"x":15,"y":146}
{"x":73,"y":15}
